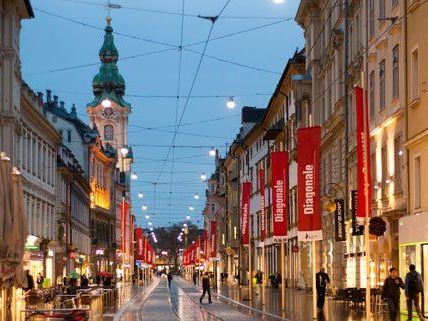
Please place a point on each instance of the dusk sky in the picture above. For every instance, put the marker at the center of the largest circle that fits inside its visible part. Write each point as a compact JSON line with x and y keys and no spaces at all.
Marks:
{"x":70,"y":33}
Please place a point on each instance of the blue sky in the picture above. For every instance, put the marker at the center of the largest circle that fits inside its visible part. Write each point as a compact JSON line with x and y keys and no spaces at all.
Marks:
{"x":50,"y":42}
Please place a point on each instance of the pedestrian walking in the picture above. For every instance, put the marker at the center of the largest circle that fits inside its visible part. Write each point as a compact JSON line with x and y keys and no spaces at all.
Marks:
{"x":30,"y":281}
{"x":195,"y":277}
{"x":205,"y":287}
{"x":40,"y":280}
{"x":169,"y":279}
{"x":322,"y":280}
{"x":414,"y":288}
{"x":391,"y":293}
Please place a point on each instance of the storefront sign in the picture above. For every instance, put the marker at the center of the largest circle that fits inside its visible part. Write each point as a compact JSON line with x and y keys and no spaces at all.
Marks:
{"x":140,"y":243}
{"x":339,"y":220}
{"x":280,"y":194}
{"x":356,"y":228}
{"x":245,"y":212}
{"x":308,"y":184}
{"x":262,"y":205}
{"x":363,"y":152}
{"x":213,"y":239}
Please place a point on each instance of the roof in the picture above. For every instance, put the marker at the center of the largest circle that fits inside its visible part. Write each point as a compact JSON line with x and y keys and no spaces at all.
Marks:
{"x":29,"y":8}
{"x":59,"y":110}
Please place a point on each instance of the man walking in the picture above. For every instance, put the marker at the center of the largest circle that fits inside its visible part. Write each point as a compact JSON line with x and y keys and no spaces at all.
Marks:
{"x":169,"y":279}
{"x":391,"y":293}
{"x":414,"y":286}
{"x":205,"y":287}
{"x":322,"y":280}
{"x":195,"y":277}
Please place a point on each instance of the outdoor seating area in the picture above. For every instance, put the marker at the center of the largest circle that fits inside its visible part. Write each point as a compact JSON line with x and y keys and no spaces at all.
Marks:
{"x":87,"y":305}
{"x":355,"y":297}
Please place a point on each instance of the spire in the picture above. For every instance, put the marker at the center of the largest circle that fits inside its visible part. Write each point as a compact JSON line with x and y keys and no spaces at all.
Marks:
{"x":108,"y":83}
{"x":73,"y":112}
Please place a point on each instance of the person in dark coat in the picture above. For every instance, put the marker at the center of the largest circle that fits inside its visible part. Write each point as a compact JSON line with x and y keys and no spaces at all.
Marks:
{"x":205,"y":287}
{"x":414,"y":287}
{"x":391,"y":293}
{"x":84,"y":281}
{"x":169,"y":279}
{"x":322,"y":280}
{"x":195,"y":277}
{"x":30,"y":281}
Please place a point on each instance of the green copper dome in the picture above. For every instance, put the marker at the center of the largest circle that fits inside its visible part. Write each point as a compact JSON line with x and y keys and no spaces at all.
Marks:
{"x":108,"y":83}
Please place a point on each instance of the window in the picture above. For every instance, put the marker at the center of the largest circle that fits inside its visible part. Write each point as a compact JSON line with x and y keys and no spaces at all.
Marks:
{"x":417,"y":179}
{"x":381,"y":9}
{"x":395,"y":72}
{"x":415,"y":75}
{"x":384,"y":171}
{"x":108,"y":132}
{"x":398,"y":153}
{"x":373,"y":174}
{"x":69,"y":135}
{"x":61,"y":132}
{"x":382,"y":85}
{"x":371,"y":18}
{"x":372,"y":94}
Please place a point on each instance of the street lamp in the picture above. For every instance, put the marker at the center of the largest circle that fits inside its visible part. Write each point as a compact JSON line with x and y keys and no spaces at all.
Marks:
{"x":144,"y":207}
{"x":278,"y":1}
{"x":106,"y":103}
{"x":124,"y":151}
{"x":230,"y":103}
{"x":140,"y":195}
{"x":203,"y":176}
{"x":147,"y":217}
{"x":134,"y":176}
{"x":212,"y":152}
{"x":188,"y":217}
{"x":191,"y":208}
{"x":196,"y":196}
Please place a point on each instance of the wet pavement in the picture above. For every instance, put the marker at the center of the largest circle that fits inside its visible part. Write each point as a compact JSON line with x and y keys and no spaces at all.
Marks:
{"x":157,"y":302}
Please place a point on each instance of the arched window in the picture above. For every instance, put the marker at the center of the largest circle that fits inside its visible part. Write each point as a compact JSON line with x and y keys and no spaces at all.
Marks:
{"x":108,"y":132}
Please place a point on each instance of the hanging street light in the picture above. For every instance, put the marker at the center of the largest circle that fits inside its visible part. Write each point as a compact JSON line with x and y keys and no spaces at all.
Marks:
{"x":144,"y":207}
{"x":140,"y":195}
{"x":147,"y":217}
{"x":203,"y":177}
{"x":278,"y":1}
{"x":191,"y":208}
{"x":124,"y":151}
{"x":230,"y":103}
{"x":134,"y":176}
{"x":188,"y":217}
{"x":212,"y":152}
{"x":196,"y":196}
{"x":106,"y":103}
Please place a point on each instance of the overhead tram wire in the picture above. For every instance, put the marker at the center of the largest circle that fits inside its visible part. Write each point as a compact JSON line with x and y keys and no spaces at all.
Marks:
{"x":177,"y":101}
{"x":213,"y":20}
{"x":172,"y":47}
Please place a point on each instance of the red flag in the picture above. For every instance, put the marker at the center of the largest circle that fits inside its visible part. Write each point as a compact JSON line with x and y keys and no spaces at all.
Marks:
{"x":125,"y":209}
{"x":262,"y":205}
{"x":213,"y":238}
{"x":205,"y":238}
{"x":363,"y":152}
{"x":198,"y":249}
{"x":280,"y":194}
{"x":245,"y":212}
{"x":140,"y":243}
{"x":308,"y":183}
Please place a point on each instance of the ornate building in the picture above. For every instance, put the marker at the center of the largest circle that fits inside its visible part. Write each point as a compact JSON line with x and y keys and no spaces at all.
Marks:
{"x":109,"y":112}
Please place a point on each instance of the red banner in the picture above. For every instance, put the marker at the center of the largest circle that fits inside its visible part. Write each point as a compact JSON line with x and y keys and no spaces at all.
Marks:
{"x":213,"y":238}
{"x":145,"y":250}
{"x":125,"y":209}
{"x":363,"y":159}
{"x":280,"y":194}
{"x":308,"y":183}
{"x":245,"y":213}
{"x":205,"y":240}
{"x":262,"y":205}
{"x":198,"y":249}
{"x":140,"y":243}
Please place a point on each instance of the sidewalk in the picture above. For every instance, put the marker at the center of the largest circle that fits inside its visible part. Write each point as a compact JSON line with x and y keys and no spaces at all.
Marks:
{"x":298,"y":305}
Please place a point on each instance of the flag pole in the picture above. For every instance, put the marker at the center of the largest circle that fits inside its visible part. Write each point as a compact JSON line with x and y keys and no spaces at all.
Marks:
{"x":264,"y":275}
{"x":250,"y":279}
{"x":314,"y":281}
{"x":281,"y":148}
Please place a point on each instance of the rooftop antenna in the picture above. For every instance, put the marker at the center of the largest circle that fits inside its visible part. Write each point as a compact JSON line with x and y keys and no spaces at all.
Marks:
{"x":109,"y":6}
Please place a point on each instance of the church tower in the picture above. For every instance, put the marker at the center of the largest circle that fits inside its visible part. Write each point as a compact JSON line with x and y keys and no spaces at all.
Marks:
{"x":109,"y":111}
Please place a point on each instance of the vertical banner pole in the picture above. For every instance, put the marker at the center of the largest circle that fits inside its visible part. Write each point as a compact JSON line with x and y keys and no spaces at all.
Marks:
{"x":368,"y":283}
{"x":263,"y":273}
{"x":250,"y":279}
{"x":282,"y":275}
{"x":314,"y":281}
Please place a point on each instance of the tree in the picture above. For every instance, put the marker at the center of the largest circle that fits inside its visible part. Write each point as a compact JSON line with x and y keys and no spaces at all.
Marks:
{"x":168,"y":239}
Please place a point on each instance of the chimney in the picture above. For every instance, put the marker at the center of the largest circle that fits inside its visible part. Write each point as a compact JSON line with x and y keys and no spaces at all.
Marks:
{"x":55,"y":101}
{"x":62,"y":104}
{"x":48,"y":95}
{"x":40,"y":94}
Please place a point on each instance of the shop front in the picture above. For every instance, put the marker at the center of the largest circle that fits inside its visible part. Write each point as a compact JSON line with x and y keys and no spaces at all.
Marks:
{"x":413,"y":236}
